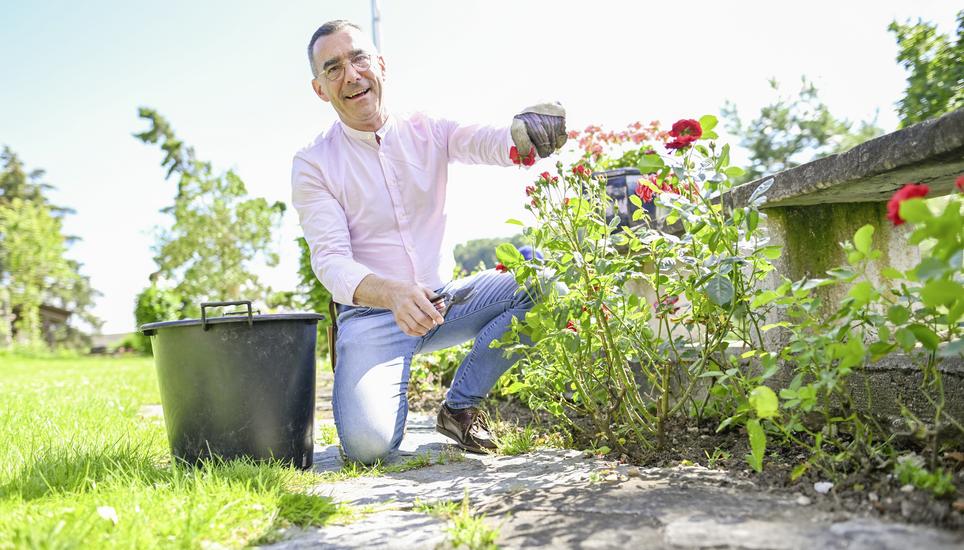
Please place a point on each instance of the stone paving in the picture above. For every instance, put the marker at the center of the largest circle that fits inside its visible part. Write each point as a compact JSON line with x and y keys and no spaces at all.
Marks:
{"x":563,"y":499}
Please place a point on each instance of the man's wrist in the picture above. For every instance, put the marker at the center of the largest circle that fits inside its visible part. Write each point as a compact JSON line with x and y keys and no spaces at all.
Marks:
{"x":375,"y":291}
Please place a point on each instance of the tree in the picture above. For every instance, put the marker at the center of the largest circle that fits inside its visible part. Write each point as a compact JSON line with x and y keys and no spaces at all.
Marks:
{"x":793,"y":130}
{"x":32,"y":251}
{"x":34,"y":269}
{"x":935,"y":83}
{"x":217,"y":234}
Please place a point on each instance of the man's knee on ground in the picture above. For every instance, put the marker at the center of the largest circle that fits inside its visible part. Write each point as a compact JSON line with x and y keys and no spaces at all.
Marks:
{"x":367,"y":444}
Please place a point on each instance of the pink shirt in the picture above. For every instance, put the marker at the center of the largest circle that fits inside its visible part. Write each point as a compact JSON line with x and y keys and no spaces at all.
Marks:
{"x":377,"y":208}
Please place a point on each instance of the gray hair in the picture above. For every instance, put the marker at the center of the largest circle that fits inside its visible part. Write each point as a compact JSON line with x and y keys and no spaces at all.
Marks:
{"x":330,"y":27}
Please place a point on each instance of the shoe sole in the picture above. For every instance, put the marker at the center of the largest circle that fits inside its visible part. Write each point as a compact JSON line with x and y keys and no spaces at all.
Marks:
{"x":464,"y":447}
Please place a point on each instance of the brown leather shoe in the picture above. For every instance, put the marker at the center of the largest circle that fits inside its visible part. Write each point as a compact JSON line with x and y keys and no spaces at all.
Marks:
{"x":468,"y":427}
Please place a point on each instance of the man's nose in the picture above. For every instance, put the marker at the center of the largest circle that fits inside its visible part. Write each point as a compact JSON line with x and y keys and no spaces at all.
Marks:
{"x":351,"y":73}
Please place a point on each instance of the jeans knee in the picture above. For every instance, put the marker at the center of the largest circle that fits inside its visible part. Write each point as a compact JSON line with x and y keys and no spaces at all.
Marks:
{"x":367,"y":445}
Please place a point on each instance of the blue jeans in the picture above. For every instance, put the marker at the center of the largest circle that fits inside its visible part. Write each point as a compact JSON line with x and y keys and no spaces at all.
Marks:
{"x":370,"y":400}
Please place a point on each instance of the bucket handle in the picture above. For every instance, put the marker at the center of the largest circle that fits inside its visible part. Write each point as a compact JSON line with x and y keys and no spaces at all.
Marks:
{"x":204,"y":319}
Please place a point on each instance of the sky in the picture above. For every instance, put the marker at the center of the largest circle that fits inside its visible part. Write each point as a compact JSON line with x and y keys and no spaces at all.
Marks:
{"x":232,"y":77}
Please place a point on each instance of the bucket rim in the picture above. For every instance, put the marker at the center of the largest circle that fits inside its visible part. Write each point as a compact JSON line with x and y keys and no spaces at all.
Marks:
{"x":259,"y":318}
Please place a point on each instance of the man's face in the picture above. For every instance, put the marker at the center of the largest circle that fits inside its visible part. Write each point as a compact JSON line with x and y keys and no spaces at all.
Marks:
{"x":356,"y":94}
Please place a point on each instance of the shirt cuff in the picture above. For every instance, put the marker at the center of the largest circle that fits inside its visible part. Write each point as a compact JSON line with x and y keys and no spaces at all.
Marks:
{"x":345,"y":280}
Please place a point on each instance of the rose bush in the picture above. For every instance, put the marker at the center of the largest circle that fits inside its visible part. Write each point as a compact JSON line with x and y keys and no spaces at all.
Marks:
{"x":597,"y":340}
{"x":640,"y":327}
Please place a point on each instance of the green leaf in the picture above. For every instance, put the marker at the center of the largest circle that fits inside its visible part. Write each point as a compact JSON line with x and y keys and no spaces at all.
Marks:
{"x":955,"y":312}
{"x":771,"y":252}
{"x":650,"y":163}
{"x":891,"y":273}
{"x":764,"y":298}
{"x":514,"y":387}
{"x":734,"y":172}
{"x":719,"y":290}
{"x":799,"y":470}
{"x":514,"y":221}
{"x":862,"y":293}
{"x":927,"y":337}
{"x":752,"y":219}
{"x":914,"y":210}
{"x":764,"y":402}
{"x":634,"y":198}
{"x":905,"y":338}
{"x":508,"y":254}
{"x":898,"y":314}
{"x":707,"y":122}
{"x":930,"y":268}
{"x":941,"y":292}
{"x":758,"y":444}
{"x":772,"y":326}
{"x":863,"y":238}
{"x":724,"y":159}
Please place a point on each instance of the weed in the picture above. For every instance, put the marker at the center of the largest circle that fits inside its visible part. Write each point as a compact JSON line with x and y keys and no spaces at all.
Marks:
{"x":512,"y":440}
{"x":718,"y":457}
{"x":910,"y":470}
{"x":327,"y":435}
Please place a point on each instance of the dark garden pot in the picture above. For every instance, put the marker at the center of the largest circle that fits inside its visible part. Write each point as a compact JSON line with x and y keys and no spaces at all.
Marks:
{"x":238,"y":385}
{"x":620,"y":185}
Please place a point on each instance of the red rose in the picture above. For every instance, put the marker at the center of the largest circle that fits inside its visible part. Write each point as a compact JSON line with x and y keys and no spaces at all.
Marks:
{"x":500,"y":268}
{"x":580,"y":170}
{"x":686,"y":128}
{"x":679,"y":143}
{"x":530,"y":190}
{"x":668,"y":303}
{"x":528,"y":160}
{"x":960,"y":183}
{"x":545,"y":177}
{"x":565,"y":201}
{"x":644,"y":192}
{"x":571,"y":326}
{"x":909,"y":191}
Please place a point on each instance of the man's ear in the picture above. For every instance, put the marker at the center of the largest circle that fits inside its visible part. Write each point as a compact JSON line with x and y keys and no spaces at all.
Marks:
{"x":381,"y":65}
{"x":319,"y":91}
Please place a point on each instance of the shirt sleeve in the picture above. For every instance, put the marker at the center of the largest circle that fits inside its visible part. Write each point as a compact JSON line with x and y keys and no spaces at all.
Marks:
{"x":475,"y":143}
{"x":325,"y":227}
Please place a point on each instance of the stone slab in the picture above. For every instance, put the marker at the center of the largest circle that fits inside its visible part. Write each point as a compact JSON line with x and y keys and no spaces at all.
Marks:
{"x":930,"y":152}
{"x":555,"y":498}
{"x":393,"y":530}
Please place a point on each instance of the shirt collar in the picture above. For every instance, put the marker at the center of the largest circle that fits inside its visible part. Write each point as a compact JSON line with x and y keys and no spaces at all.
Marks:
{"x":369,"y":137}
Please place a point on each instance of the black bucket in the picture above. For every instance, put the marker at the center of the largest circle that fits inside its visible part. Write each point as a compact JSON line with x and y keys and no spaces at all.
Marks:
{"x":238,"y":385}
{"x":620,"y":185}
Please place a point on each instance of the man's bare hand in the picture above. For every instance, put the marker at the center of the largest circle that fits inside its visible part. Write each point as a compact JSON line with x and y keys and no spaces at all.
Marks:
{"x":414,"y":313}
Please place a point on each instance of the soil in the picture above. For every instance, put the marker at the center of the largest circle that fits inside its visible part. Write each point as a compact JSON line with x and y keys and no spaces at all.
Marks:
{"x":872,"y":492}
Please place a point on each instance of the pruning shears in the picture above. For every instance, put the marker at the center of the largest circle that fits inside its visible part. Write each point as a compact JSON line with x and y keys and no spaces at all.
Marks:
{"x":444,"y":300}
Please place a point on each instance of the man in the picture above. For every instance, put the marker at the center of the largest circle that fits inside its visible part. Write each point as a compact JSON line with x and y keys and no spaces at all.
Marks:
{"x":370,"y":193}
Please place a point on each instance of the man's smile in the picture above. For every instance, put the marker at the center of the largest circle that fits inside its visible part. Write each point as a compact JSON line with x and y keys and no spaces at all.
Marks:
{"x":358,"y":94}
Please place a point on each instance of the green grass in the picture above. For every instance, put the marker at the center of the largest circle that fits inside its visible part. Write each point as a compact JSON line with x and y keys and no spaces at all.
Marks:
{"x":81,"y":468}
{"x":466,"y":528}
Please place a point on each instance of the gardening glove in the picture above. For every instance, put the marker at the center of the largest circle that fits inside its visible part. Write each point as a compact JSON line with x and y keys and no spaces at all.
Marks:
{"x":542,"y":127}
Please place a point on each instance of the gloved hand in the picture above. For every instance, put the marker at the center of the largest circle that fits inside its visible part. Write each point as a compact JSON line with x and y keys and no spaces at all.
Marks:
{"x":541,"y":126}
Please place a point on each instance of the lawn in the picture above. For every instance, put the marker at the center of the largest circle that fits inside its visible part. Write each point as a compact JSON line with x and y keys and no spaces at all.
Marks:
{"x":80,"y":467}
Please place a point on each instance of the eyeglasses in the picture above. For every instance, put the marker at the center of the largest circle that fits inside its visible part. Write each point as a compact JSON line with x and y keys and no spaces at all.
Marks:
{"x":361,"y":62}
